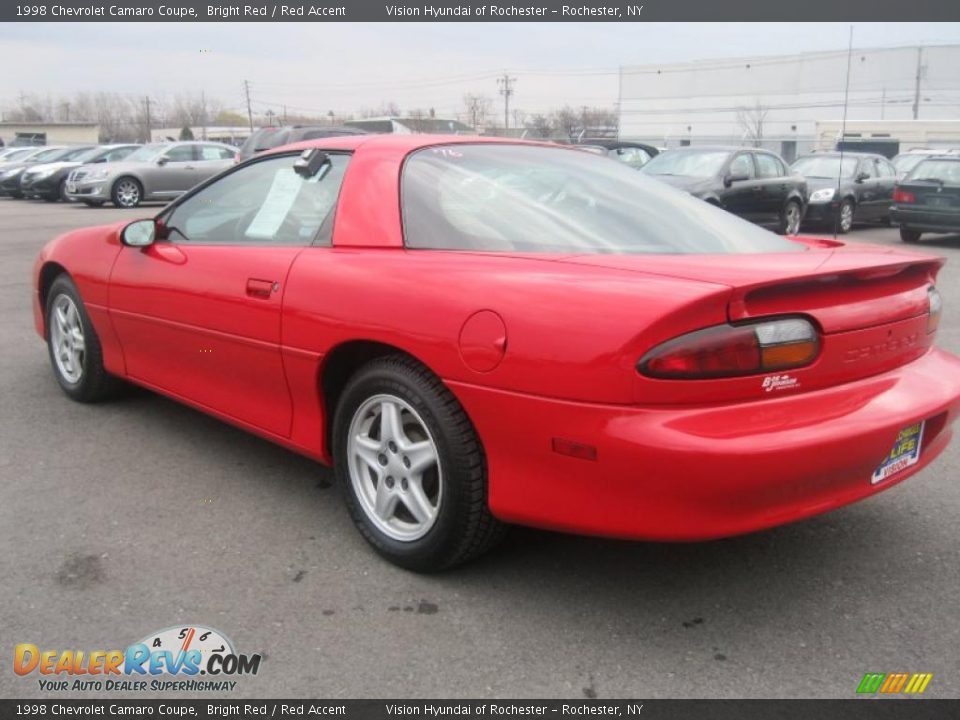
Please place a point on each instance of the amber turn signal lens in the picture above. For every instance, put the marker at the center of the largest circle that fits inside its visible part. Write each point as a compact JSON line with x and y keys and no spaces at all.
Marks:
{"x":779,"y":357}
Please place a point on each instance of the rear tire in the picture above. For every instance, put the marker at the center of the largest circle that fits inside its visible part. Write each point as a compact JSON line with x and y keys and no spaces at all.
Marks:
{"x":908,"y":235}
{"x":73,"y":345}
{"x":411,"y":467}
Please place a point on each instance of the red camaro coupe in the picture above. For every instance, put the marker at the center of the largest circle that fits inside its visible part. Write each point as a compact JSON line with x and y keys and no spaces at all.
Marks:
{"x":479,"y":332}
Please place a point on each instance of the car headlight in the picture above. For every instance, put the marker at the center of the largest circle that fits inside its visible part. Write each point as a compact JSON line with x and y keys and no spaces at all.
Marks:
{"x":11,"y":174}
{"x":41,"y":174}
{"x":99,"y":174}
{"x":822,"y":196}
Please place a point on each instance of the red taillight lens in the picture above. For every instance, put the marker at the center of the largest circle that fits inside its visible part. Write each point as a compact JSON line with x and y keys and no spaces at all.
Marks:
{"x":902,"y":196}
{"x":936,"y":305}
{"x":731,"y":351}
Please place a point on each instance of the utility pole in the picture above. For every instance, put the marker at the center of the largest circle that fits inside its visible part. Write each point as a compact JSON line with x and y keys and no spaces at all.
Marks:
{"x":146,"y":103}
{"x":505,"y":84}
{"x":916,"y":87}
{"x":246,"y":90}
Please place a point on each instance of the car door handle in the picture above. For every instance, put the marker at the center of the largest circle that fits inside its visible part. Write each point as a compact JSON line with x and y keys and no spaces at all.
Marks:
{"x":261,"y":288}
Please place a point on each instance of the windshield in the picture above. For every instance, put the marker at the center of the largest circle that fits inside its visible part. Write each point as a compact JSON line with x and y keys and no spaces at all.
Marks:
{"x":824,"y":166}
{"x":689,"y":163}
{"x":502,"y":198}
{"x":147,"y":152}
{"x":944,"y":171}
{"x":17,"y":154}
{"x":262,"y":139}
{"x":90,"y":155}
{"x":48,"y":155}
{"x":71,"y":154}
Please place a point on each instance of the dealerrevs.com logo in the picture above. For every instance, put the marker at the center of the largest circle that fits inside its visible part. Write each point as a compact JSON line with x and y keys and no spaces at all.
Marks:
{"x":191,"y":658}
{"x":894,"y":683}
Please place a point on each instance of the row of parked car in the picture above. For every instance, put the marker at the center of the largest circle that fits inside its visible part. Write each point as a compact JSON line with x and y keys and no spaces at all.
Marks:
{"x":125,"y":175}
{"x":823,"y":190}
{"x":919,"y":190}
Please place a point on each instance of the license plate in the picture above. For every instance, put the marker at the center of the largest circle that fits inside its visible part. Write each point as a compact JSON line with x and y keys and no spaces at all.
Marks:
{"x":940,"y":202}
{"x":906,"y":452}
{"x":71,"y":188}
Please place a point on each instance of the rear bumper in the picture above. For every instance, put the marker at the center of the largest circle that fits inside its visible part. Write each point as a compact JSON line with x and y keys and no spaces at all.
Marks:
{"x":695,"y":473}
{"x":929,"y":220}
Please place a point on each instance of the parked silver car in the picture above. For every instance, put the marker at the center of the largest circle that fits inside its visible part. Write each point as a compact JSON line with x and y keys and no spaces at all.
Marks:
{"x":160,"y":171}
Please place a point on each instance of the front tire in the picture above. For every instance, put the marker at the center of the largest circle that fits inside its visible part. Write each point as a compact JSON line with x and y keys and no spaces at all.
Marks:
{"x":73,"y":345}
{"x":790,"y":218}
{"x":909,"y":236}
{"x":411,"y":467}
{"x":845,"y":217}
{"x":127,"y":192}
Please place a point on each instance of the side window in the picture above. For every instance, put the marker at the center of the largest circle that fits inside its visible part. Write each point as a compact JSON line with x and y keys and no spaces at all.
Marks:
{"x":742,"y":165}
{"x":869,"y":168}
{"x":886,"y":169}
{"x":180,"y":153}
{"x":768,"y":166}
{"x":215,"y":152}
{"x":265,"y":203}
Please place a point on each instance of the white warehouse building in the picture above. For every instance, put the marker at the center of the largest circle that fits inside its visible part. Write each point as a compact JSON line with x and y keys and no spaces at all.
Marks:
{"x":778,"y":101}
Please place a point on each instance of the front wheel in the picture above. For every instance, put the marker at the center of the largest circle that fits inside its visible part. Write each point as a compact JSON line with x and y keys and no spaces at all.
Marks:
{"x":790,"y":218}
{"x":74,"y":347}
{"x":845,"y":217}
{"x":908,"y":235}
{"x":411,"y":467}
{"x":126,"y":193}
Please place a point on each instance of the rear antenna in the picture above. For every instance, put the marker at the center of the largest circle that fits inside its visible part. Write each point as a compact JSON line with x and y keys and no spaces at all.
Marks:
{"x":843,"y":133}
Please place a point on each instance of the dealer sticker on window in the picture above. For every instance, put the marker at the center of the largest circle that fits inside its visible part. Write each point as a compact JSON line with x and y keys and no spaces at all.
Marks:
{"x":906,"y":452}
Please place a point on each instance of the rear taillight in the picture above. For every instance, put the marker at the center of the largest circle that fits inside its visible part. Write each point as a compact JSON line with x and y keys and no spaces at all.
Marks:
{"x":734,"y":350}
{"x":936,"y":305}
{"x":902,"y":196}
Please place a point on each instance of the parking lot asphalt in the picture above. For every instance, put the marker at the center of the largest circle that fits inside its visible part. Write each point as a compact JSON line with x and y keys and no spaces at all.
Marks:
{"x":121,"y":519}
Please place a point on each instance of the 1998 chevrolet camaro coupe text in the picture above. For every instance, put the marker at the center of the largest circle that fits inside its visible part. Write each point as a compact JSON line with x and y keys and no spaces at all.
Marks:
{"x":481,"y":332}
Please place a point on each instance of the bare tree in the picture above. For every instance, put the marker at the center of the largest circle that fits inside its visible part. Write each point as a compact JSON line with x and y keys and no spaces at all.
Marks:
{"x":388,"y":109}
{"x":751,"y":122}
{"x":478,"y":108}
{"x":540,"y":125}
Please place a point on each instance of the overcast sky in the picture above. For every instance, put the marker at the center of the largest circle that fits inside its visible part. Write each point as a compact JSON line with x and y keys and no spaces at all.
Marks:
{"x":317,"y":67}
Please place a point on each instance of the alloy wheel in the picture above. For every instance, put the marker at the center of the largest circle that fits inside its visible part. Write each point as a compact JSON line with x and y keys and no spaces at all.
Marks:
{"x":846,"y":216}
{"x":792,"y":218}
{"x":128,"y":193}
{"x":394,"y":467}
{"x":66,"y":337}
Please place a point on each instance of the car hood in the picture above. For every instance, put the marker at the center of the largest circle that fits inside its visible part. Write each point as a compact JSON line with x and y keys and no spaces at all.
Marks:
{"x":54,"y":166}
{"x":684,"y":182}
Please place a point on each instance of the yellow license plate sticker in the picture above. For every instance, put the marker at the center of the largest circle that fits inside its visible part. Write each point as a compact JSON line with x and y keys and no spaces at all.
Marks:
{"x":906,"y":452}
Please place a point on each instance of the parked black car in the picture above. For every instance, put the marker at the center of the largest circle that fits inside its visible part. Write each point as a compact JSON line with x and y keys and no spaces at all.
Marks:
{"x":10,"y":172}
{"x":928,"y":199}
{"x":753,"y":183}
{"x":267,"y":138}
{"x":633,"y":154}
{"x":49,"y":180}
{"x":861,"y":190}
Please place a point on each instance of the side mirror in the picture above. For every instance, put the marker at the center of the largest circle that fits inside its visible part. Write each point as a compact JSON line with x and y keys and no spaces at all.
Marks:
{"x":139,"y":233}
{"x":163,"y":160}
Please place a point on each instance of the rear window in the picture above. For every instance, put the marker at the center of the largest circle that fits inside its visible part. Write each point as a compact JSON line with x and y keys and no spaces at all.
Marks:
{"x":516,"y":198}
{"x":945,"y":171}
{"x":264,"y":139}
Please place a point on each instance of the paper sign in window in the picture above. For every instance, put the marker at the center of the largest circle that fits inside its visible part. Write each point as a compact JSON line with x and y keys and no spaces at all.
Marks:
{"x":283,"y":193}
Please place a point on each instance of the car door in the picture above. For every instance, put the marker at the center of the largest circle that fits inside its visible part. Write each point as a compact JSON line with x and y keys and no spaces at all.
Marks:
{"x":198,"y":312}
{"x":174,"y":172}
{"x":771,"y":177}
{"x":869,"y":198}
{"x":213,"y":159}
{"x":740,"y":192}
